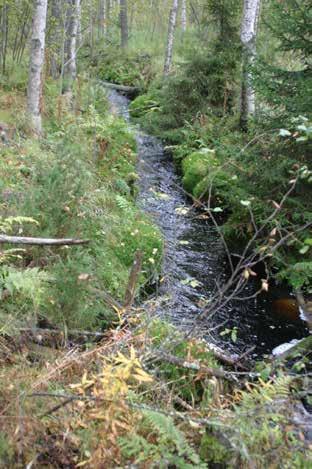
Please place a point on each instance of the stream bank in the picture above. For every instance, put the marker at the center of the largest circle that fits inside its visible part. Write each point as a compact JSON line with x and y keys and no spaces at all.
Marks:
{"x":194,"y":259}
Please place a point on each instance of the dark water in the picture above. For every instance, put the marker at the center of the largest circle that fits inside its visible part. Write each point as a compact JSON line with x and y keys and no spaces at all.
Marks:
{"x":194,"y":259}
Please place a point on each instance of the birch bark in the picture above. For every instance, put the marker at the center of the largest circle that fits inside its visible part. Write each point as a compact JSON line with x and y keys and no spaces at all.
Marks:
{"x":36,"y":65}
{"x":249,"y":26}
{"x":183,"y":16}
{"x":71,"y":46}
{"x":170,"y":37}
{"x":124,"y":23}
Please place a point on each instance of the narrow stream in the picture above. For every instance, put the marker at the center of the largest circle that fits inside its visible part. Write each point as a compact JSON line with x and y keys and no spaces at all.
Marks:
{"x":194,"y":259}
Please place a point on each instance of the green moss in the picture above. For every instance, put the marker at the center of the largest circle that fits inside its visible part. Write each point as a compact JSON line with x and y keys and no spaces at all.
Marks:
{"x":212,"y":450}
{"x":79,"y":182}
{"x":195,"y":168}
{"x":144,"y":105}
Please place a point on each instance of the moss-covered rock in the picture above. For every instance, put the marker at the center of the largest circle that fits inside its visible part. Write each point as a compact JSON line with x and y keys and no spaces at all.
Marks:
{"x":196,"y":167}
{"x":142,"y":105}
{"x":212,"y":450}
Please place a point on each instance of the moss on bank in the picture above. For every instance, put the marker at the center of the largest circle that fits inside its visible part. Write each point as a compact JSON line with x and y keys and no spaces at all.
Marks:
{"x":76,"y":182}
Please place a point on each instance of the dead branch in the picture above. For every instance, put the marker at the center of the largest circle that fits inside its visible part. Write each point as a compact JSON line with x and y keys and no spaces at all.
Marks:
{"x":133,"y":278}
{"x":193,"y":366}
{"x":41,"y":241}
{"x":108,"y":298}
{"x":132,"y":405}
{"x":73,"y":332}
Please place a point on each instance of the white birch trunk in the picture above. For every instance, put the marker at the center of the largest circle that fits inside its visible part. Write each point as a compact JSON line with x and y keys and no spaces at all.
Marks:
{"x":170,"y":38}
{"x":79,"y":34}
{"x":36,"y":64}
{"x":248,"y":38}
{"x":183,"y":16}
{"x":71,"y":46}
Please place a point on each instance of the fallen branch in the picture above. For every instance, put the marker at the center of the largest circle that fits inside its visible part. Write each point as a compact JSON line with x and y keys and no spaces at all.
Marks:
{"x":41,"y":241}
{"x":223,"y":357}
{"x":133,"y":278}
{"x":39,"y":331}
{"x":108,"y":298}
{"x":193,"y":366}
{"x":121,"y":88}
{"x":142,"y":407}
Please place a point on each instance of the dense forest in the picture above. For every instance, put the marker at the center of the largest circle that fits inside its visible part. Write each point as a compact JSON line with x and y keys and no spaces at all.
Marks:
{"x":155,"y":231}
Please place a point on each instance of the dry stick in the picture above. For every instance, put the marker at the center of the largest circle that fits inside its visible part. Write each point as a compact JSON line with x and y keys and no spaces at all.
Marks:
{"x":133,"y":278}
{"x":38,"y":330}
{"x":57,"y":407}
{"x":107,"y":297}
{"x":41,"y":241}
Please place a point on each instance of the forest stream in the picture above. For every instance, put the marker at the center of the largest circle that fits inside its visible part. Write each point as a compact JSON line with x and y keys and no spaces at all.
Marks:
{"x":195,"y":257}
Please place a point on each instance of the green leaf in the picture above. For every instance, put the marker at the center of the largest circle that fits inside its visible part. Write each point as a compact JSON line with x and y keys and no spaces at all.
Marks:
{"x":304,"y":250}
{"x":234,"y":335}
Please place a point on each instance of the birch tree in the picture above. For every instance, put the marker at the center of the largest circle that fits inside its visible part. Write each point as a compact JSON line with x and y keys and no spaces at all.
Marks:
{"x":36,"y":65}
{"x":170,"y":37}
{"x":183,"y":16}
{"x":102,"y":18}
{"x":248,"y":39}
{"x":71,"y":44}
{"x":123,"y":16}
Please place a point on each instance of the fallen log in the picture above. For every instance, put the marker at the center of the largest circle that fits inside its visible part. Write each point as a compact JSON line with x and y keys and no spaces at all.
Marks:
{"x":121,"y":88}
{"x":225,"y":358}
{"x":42,"y":241}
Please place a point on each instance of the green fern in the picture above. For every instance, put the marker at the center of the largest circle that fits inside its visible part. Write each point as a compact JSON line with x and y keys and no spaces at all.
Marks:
{"x":29,"y":283}
{"x":171,"y":448}
{"x":8,"y":224}
{"x":123,"y":203}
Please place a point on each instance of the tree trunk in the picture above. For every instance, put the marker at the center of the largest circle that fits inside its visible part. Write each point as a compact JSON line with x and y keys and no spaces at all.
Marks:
{"x":183,"y":16}
{"x":71,"y":44}
{"x":36,"y":64}
{"x":54,"y":39}
{"x":170,"y":38}
{"x":248,"y":38}
{"x":102,"y":18}
{"x":79,"y":33}
{"x":124,"y":23}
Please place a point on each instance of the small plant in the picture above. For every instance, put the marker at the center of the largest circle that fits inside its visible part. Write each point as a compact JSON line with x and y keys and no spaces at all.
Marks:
{"x":170,"y":447}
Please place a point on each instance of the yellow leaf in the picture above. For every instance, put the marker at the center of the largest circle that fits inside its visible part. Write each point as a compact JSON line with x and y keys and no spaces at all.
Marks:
{"x":246,"y":274}
{"x":265,"y":285}
{"x":143,"y":378}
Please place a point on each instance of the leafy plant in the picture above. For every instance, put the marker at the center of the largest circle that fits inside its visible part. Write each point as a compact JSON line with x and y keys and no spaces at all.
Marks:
{"x":171,"y":446}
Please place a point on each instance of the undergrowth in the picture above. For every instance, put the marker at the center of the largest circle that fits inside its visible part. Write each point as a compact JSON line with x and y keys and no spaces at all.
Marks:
{"x":77,"y":182}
